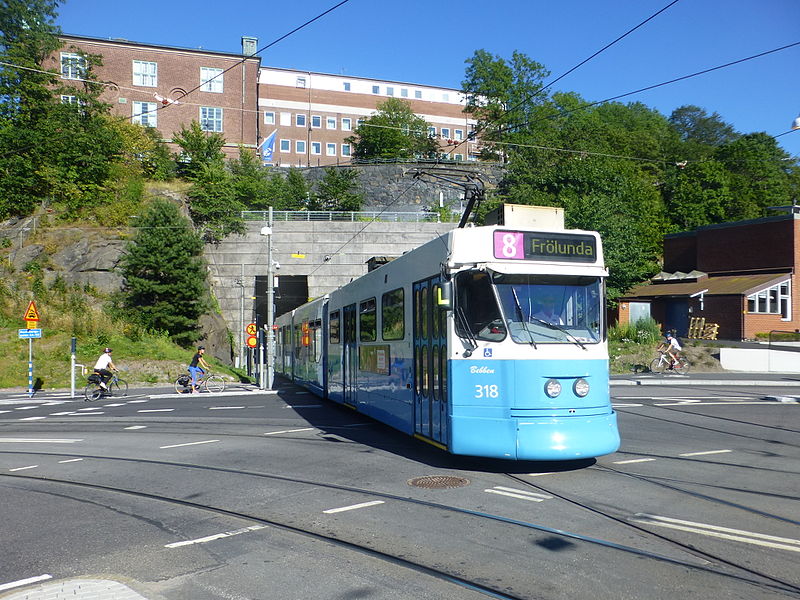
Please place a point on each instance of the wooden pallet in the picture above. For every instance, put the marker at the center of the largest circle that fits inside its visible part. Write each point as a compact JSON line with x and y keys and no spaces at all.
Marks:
{"x":700,"y":330}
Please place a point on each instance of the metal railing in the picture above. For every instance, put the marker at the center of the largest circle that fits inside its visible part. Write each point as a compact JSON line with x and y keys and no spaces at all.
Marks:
{"x":348,"y":216}
{"x":784,"y":340}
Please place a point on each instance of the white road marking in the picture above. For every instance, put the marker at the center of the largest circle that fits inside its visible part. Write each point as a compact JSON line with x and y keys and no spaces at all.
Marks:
{"x":352,"y":507}
{"x":70,"y":460}
{"x":149,"y":410}
{"x":188,"y":444}
{"x":136,"y":401}
{"x":748,"y":537}
{"x":619,"y":405}
{"x":137,"y":427}
{"x":706,"y":453}
{"x":91,"y":414}
{"x":290,"y":431}
{"x":217,"y":536}
{"x":4,"y":411}
{"x":225,"y":407}
{"x":539,"y":474}
{"x":41,"y":440}
{"x":633,"y":460}
{"x":91,"y":408}
{"x":61,"y":414}
{"x":121,"y":404}
{"x":728,"y":403}
{"x":303,"y":406}
{"x":25,"y":407}
{"x":21,"y":582}
{"x":33,"y":418}
{"x":24,"y":468}
{"x":521,"y":494}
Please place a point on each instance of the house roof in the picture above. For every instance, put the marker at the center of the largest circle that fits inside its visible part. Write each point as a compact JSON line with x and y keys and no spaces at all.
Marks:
{"x":721,"y":286}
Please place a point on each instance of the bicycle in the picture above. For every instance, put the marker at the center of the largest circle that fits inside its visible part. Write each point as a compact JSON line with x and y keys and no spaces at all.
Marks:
{"x":214,"y":384}
{"x":115,"y":387}
{"x":664,"y":363}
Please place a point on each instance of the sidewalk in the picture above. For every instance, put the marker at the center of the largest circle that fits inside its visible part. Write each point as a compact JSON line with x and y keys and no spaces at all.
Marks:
{"x":705,"y":379}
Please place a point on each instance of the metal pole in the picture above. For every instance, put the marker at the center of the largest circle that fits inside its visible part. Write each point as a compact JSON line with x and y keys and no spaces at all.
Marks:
{"x":241,"y":320}
{"x":72,"y":349}
{"x":30,"y":367}
{"x":270,"y":309}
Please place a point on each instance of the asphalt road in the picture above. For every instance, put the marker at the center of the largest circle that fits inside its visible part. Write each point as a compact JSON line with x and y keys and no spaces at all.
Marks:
{"x":252,"y":495}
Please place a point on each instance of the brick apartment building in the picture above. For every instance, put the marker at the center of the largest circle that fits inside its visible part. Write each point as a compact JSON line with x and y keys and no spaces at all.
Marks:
{"x":216,"y":89}
{"x":311,"y":114}
{"x":739,"y":275}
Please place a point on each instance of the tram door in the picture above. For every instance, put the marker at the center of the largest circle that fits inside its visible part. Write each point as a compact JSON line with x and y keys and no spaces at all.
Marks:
{"x":349,"y":354}
{"x":430,"y":361}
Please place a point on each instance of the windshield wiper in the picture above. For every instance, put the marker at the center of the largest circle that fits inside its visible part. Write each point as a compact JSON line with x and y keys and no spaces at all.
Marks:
{"x":559,"y":328}
{"x":473,"y":343}
{"x":522,"y":318}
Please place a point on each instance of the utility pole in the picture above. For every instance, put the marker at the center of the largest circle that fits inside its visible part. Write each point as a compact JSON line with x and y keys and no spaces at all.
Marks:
{"x":268,"y":373}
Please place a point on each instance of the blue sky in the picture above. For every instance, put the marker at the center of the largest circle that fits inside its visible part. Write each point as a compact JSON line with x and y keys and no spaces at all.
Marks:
{"x":427,"y":42}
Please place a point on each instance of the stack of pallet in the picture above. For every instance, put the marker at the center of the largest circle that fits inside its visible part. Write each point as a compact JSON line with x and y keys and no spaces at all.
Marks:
{"x":700,"y":330}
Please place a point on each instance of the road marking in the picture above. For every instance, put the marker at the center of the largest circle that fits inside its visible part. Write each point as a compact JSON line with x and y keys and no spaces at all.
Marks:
{"x":149,"y":410}
{"x":633,"y":460}
{"x":120,"y":404}
{"x":188,"y":444}
{"x":24,"y":468}
{"x":5,"y":411}
{"x":25,"y":407}
{"x":619,"y":405}
{"x":92,"y":414}
{"x":706,"y":453}
{"x":225,"y":407}
{"x":748,"y":537}
{"x":352,"y":507}
{"x":521,"y":494}
{"x":290,"y":431}
{"x":91,"y":408}
{"x":41,"y":440}
{"x":33,"y":418}
{"x":217,"y":536}
{"x":728,"y":403}
{"x":136,"y":401}
{"x":21,"y":582}
{"x":137,"y":427}
{"x":539,"y":474}
{"x":70,"y":460}
{"x":61,"y":414}
{"x":303,"y":406}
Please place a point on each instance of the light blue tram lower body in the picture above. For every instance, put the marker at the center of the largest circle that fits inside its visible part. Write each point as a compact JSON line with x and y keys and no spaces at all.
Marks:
{"x":499,"y":408}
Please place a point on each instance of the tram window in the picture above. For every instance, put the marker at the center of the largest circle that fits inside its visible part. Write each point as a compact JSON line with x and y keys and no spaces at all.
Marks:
{"x":334,"y":327}
{"x":317,"y":341}
{"x":435,"y":320}
{"x":367,"y":321}
{"x":298,"y":340}
{"x":423,"y":315}
{"x":477,"y":304}
{"x":392,"y":315}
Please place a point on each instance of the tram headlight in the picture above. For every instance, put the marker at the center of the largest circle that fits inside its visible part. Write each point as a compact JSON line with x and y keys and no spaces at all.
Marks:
{"x":552,"y":388}
{"x":580,"y":387}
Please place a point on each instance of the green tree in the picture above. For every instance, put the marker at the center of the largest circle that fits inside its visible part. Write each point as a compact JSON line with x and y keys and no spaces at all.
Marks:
{"x":165,"y":276}
{"x":199,"y":149}
{"x":213,"y":205}
{"x":697,"y":195}
{"x":336,"y":191}
{"x":297,"y":190}
{"x":394,"y":132}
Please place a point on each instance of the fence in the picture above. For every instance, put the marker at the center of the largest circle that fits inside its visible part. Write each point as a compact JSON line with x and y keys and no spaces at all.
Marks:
{"x":348,"y":216}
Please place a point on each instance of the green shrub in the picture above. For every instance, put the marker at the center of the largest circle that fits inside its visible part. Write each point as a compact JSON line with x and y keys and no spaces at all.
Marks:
{"x":643,"y":331}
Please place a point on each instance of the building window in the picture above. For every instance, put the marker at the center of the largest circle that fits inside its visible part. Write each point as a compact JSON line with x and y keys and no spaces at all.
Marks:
{"x":69,"y":99}
{"x":347,"y":124}
{"x":316,"y":121}
{"x":776,"y":300}
{"x":458,"y":134}
{"x":418,"y":94}
{"x":286,"y":146}
{"x":211,"y":80}
{"x":269,"y":118}
{"x":445,"y":132}
{"x":404,"y":92}
{"x":432,"y":131}
{"x":330,"y":149}
{"x":73,"y":66}
{"x":144,"y":113}
{"x":330,"y":122}
{"x":459,"y":157}
{"x":210,"y":118}
{"x":345,"y":149}
{"x":346,"y":85}
{"x":286,"y":119}
{"x":446,"y":97}
{"x":300,"y":120}
{"x":316,"y":148}
{"x":301,"y":82}
{"x":145,"y":73}
{"x":300,"y":147}
{"x":376,"y":89}
{"x":389,"y":90}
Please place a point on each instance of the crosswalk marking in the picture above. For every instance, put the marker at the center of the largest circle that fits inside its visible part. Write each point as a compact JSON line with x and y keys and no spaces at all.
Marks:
{"x":519,"y":494}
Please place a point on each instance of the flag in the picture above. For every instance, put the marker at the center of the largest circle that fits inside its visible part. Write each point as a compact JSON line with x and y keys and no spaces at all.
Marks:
{"x":268,"y":147}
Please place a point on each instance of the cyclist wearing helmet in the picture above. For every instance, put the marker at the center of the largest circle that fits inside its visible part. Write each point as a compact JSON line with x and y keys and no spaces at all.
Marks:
{"x":103,"y":368}
{"x":198,"y":367}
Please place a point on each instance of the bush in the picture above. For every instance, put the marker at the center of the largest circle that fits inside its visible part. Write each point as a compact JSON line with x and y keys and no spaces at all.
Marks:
{"x":643,"y":331}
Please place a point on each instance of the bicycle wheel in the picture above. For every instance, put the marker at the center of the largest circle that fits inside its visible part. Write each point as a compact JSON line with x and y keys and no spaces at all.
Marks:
{"x":215,"y":384}
{"x":118,"y":387}
{"x":683,"y":366}
{"x":92,"y":392}
{"x":658,"y":365}
{"x":181,"y":384}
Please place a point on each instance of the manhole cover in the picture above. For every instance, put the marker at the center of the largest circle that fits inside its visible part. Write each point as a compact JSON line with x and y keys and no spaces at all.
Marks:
{"x":438,"y":482}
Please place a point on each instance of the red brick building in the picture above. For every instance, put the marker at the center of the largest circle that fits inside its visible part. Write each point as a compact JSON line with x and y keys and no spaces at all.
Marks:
{"x":216,"y":89}
{"x":740,"y":275}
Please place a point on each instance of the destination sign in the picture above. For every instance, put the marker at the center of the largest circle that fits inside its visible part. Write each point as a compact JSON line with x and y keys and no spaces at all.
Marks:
{"x":569,"y":247}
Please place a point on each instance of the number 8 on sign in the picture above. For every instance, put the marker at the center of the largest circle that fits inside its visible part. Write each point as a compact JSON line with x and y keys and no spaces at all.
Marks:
{"x":508,"y":244}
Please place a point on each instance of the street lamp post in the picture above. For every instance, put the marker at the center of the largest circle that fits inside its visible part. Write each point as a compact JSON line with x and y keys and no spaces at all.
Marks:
{"x":268,"y":374}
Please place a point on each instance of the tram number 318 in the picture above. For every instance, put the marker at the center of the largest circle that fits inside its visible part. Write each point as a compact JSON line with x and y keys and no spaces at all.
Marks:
{"x":487,"y":391}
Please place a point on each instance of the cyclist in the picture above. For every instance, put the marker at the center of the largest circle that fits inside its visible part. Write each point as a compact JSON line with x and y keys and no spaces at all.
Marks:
{"x":103,"y":368}
{"x":672,"y":347}
{"x":198,"y":367}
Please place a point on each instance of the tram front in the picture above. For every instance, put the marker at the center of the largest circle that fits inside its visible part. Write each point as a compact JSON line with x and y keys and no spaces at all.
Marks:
{"x":529,"y":354}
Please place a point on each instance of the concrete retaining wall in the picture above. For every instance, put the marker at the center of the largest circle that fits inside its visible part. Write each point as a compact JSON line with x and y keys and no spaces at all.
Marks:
{"x":755,"y":360}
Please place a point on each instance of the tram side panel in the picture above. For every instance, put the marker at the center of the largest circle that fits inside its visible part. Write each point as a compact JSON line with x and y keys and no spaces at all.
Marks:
{"x":308,"y":341}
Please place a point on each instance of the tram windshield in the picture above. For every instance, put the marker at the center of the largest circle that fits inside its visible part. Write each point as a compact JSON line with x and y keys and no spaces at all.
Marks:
{"x":532,"y":309}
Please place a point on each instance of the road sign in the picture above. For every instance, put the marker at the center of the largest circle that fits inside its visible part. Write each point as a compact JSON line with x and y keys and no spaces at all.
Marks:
{"x":30,"y":333}
{"x":252,"y":341}
{"x":31,"y":314}
{"x":251,"y":329}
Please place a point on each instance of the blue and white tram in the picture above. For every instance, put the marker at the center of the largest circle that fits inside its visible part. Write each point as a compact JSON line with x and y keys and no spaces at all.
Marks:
{"x":488,"y":341}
